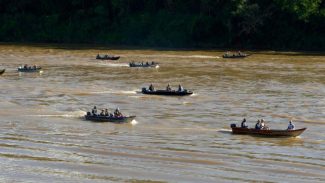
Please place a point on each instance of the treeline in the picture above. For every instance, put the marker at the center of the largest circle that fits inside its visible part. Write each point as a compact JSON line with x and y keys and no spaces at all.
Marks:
{"x":258,"y":24}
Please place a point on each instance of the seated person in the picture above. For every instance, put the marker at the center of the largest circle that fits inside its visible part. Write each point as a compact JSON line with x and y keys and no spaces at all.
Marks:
{"x":168,"y":88}
{"x":180,"y":88}
{"x":117,"y":113}
{"x":151,"y":88}
{"x":106,"y":112}
{"x":263,"y":125}
{"x":102,"y":113}
{"x":94,"y":111}
{"x":258,"y":125}
{"x":243,"y":124}
{"x":291,"y":126}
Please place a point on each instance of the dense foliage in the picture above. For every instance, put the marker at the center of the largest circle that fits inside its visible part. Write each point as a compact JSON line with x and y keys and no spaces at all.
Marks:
{"x":262,"y":24}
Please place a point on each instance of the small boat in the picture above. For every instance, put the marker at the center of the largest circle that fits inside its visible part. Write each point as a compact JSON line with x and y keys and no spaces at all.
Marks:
{"x":2,"y":71}
{"x":107,"y":57}
{"x":147,"y":64}
{"x":235,"y":55}
{"x":266,"y":133}
{"x":166,"y":92}
{"x":29,"y":69}
{"x":112,"y":119}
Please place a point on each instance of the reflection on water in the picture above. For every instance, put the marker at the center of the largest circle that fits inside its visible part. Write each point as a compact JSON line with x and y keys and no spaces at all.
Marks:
{"x":173,"y":139}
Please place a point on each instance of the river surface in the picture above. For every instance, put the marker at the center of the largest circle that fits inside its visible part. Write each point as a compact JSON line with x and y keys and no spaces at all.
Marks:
{"x":43,"y":137}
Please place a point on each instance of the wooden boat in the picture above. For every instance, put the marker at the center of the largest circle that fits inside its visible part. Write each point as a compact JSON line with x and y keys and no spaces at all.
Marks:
{"x":107,"y":57}
{"x":165,"y":92}
{"x":266,"y":133}
{"x":29,"y":69}
{"x":112,"y":119}
{"x":2,"y":71}
{"x":152,"y":64}
{"x":241,"y":55}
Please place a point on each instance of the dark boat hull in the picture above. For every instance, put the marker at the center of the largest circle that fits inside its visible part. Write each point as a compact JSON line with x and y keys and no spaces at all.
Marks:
{"x":29,"y":70}
{"x":267,"y":133}
{"x":144,"y":65}
{"x":235,"y":56}
{"x":2,"y":71}
{"x":98,"y":118}
{"x":108,"y":57}
{"x":165,"y":92}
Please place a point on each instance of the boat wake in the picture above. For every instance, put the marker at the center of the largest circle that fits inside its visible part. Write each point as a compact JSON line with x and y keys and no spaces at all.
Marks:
{"x":73,"y":114}
{"x":223,"y":130}
{"x":115,"y":92}
{"x":134,"y":122}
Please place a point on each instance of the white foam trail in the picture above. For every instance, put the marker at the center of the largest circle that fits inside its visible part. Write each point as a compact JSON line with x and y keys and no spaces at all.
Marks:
{"x":134,"y":122}
{"x":73,"y":114}
{"x":224,"y":130}
{"x":115,"y":92}
{"x":128,"y":92}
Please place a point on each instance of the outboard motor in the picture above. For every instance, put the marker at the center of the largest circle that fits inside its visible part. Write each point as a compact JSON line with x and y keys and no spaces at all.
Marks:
{"x":144,"y":89}
{"x":233,"y":125}
{"x":88,"y":113}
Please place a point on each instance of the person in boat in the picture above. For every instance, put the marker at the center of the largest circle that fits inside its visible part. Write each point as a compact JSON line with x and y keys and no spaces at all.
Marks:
{"x":25,"y":66}
{"x":117,"y":113}
{"x":180,"y":88}
{"x":243,"y":123}
{"x":147,"y":63}
{"x":291,"y":126}
{"x":168,"y":88}
{"x":258,"y":125}
{"x":151,"y":88}
{"x":263,"y":125}
{"x":94,"y":110}
{"x":152,"y":63}
{"x":106,"y":112}
{"x":102,"y":113}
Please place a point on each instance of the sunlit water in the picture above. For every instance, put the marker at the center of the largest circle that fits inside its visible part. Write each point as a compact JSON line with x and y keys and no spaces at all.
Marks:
{"x":43,"y":136}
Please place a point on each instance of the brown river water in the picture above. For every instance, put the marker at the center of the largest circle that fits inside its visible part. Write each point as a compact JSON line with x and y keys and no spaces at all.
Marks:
{"x":43,"y":137}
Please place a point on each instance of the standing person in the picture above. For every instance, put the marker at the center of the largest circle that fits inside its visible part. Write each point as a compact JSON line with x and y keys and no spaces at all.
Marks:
{"x":291,"y":126}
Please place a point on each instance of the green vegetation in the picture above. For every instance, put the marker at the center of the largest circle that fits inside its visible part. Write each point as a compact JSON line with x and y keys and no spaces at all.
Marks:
{"x":259,"y":24}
